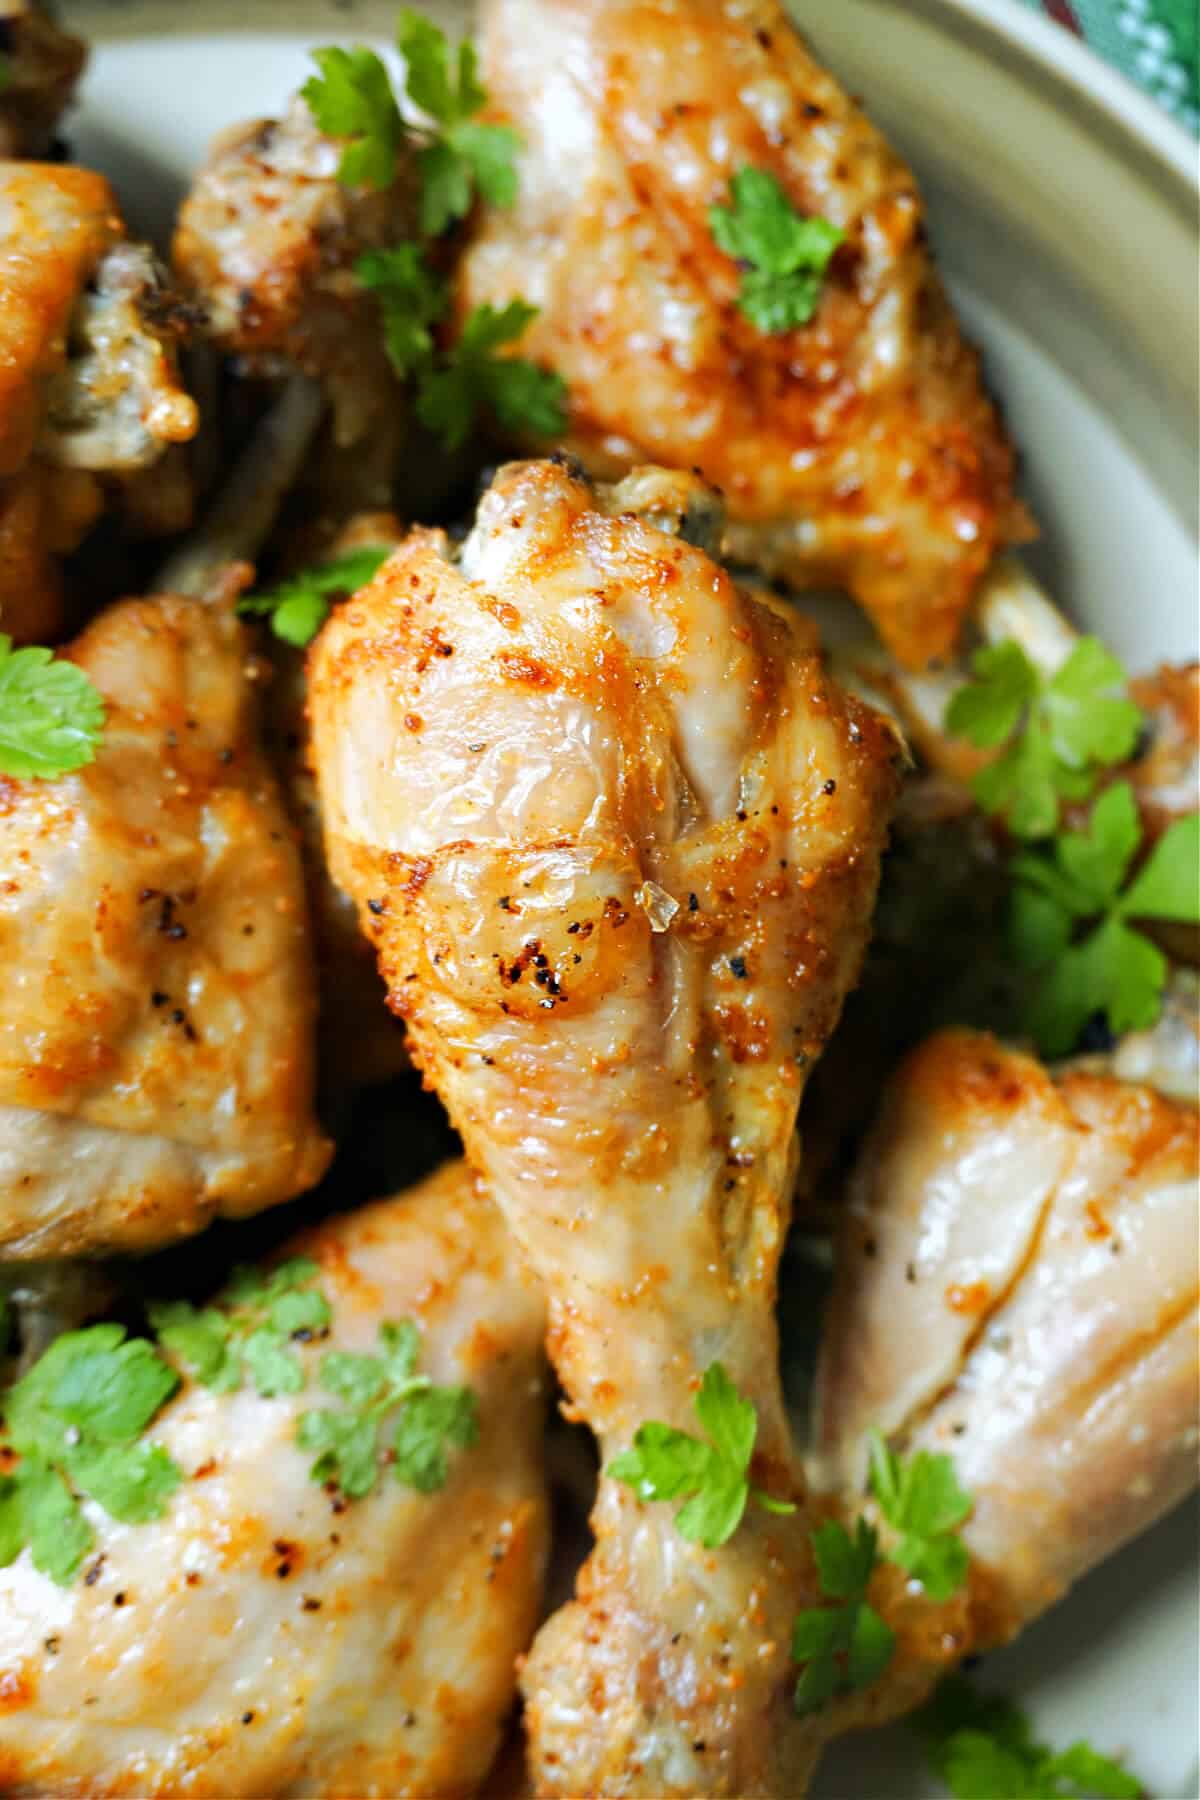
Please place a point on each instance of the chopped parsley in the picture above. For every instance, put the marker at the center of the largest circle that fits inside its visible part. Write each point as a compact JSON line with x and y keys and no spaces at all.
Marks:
{"x":1060,"y":731}
{"x":1081,"y":880}
{"x":74,"y":1423}
{"x":921,"y":1500}
{"x":847,"y":1645}
{"x":51,"y":716}
{"x":463,"y":156}
{"x":982,"y":1747}
{"x":471,"y":379}
{"x":783,"y":256}
{"x":250,"y":1332}
{"x":425,"y":1421}
{"x":298,"y":607}
{"x":712,"y":1478}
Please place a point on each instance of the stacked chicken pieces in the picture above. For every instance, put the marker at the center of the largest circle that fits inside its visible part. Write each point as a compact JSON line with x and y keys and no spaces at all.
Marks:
{"x":613,"y":832}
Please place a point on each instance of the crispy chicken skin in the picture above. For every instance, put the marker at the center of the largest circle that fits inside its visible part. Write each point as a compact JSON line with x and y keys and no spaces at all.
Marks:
{"x":90,"y":395}
{"x":157,"y":1014}
{"x":1017,"y":1286}
{"x":267,"y":1637}
{"x":43,"y":63}
{"x":860,"y":449}
{"x":616,"y":836}
{"x":267,"y":240}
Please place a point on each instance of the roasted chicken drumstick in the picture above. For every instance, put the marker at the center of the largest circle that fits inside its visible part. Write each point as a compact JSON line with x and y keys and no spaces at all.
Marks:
{"x":1017,"y":1286}
{"x":859,"y":448}
{"x":616,"y":836}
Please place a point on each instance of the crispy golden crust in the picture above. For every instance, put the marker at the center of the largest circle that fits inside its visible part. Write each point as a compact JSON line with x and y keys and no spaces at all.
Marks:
{"x":266,"y":1636}
{"x":616,"y":836}
{"x":862,"y":449}
{"x":157,"y":1046}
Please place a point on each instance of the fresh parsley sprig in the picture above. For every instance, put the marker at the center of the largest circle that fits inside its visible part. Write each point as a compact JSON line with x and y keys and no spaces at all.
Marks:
{"x":784,"y":257}
{"x":1082,"y":878}
{"x":982,"y":1746}
{"x":74,"y":1423}
{"x":457,"y":155}
{"x":463,"y":156}
{"x":921,"y":1500}
{"x":298,"y":607}
{"x":847,"y":1645}
{"x":712,"y":1478}
{"x":1060,"y":731}
{"x":426,"y":1421}
{"x":411,"y":298}
{"x":51,"y":716}
{"x":517,"y":393}
{"x":351,"y":98}
{"x":252,"y":1330}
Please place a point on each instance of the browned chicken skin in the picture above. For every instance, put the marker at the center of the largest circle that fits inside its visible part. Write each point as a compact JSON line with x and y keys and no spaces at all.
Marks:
{"x":1017,"y":1286}
{"x":267,"y":1637}
{"x":616,"y":837}
{"x":90,"y":396}
{"x":158,"y":1010}
{"x":861,"y":449}
{"x":42,"y":65}
{"x":267,"y":240}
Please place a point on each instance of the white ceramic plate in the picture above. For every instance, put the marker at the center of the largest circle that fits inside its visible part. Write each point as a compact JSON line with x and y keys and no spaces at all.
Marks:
{"x":1064,"y":207}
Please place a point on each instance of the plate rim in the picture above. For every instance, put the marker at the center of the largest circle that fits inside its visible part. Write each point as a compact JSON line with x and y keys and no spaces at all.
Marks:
{"x":1104,"y":100}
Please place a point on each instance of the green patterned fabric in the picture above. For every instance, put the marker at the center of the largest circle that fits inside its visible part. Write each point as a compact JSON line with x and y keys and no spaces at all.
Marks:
{"x":1155,"y":42}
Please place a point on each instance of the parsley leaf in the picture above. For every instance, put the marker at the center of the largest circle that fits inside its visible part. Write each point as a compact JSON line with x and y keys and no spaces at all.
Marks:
{"x":667,"y":1464}
{"x":351,"y":97}
{"x":982,"y":1746}
{"x":921,"y":1500}
{"x":411,"y":298}
{"x":51,"y":715}
{"x":850,"y":1645}
{"x":522,"y":397}
{"x":784,"y":256}
{"x":464,"y":155}
{"x":250,"y":1331}
{"x":299,"y":606}
{"x":427,"y":1419}
{"x":1113,"y":968}
{"x":1061,"y":730}
{"x":74,"y":1422}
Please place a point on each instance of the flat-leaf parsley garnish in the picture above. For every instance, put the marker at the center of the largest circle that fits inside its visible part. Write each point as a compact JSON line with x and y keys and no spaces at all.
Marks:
{"x":411,"y":298}
{"x":712,"y":1478}
{"x":51,"y":716}
{"x":1080,"y":880}
{"x":846,"y":1645}
{"x":298,"y":607}
{"x":784,"y":257}
{"x":351,"y":98}
{"x":472,"y":379}
{"x":1060,"y":731}
{"x":252,"y":1331}
{"x":982,"y":1746}
{"x":72,"y":1426}
{"x":921,"y":1500}
{"x":463,"y":155}
{"x":391,"y":1415}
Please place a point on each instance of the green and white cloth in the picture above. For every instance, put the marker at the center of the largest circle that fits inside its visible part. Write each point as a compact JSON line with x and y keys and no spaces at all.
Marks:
{"x":1155,"y":42}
